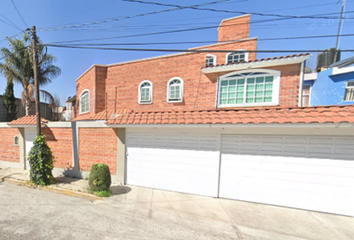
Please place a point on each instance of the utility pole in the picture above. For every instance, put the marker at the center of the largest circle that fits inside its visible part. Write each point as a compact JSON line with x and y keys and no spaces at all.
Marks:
{"x":36,"y":85}
{"x":339,"y":29}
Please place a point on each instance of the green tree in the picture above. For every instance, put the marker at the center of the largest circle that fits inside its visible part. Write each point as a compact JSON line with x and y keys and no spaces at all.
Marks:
{"x":18,"y":67}
{"x":10,"y":102}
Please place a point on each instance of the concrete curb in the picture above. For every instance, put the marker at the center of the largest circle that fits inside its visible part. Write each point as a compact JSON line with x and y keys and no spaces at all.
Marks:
{"x":51,"y":188}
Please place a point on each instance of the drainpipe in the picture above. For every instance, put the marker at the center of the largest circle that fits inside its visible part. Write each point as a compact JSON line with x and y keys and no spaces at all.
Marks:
{"x":300,"y":83}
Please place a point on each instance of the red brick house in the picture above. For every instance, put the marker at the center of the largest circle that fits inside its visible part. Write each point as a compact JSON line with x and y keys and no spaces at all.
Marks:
{"x":222,"y":124}
{"x":189,"y":81}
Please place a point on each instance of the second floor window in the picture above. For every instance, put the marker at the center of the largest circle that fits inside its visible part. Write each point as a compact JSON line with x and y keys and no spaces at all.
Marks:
{"x":349,"y":92}
{"x":210,"y":60}
{"x":236,"y":57}
{"x":306,"y":89}
{"x":85,"y":102}
{"x":145,"y":92}
{"x":249,"y":88}
{"x":175,"y":90}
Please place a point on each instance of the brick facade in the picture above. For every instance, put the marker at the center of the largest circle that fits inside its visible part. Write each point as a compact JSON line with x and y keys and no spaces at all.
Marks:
{"x":8,"y":151}
{"x":61,"y":143}
{"x":200,"y":90}
{"x":234,"y":28}
{"x":98,"y":145}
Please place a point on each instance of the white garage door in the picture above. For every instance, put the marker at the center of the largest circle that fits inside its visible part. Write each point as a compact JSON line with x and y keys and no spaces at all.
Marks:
{"x":30,"y":136}
{"x":307,"y":172}
{"x":178,"y":162}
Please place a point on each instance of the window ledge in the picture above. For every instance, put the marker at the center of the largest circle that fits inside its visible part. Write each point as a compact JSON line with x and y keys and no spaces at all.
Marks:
{"x":177,"y":101}
{"x":249,"y":105}
{"x":145,"y":103}
{"x":84,"y":112}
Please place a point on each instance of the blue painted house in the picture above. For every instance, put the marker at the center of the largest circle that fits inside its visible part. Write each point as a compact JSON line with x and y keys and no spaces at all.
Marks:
{"x":333,"y":86}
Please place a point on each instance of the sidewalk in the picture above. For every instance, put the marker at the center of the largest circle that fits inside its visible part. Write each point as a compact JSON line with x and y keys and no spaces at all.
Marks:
{"x":70,"y":186}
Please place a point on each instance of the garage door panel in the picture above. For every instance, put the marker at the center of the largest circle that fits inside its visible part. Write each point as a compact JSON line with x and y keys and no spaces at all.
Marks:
{"x":178,"y":162}
{"x":296,"y":171}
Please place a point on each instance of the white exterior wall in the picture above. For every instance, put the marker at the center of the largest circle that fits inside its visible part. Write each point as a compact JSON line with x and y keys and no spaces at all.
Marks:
{"x":308,"y":167}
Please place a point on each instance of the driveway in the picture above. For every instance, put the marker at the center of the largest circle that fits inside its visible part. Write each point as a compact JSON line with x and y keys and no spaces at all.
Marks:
{"x":142,"y":213}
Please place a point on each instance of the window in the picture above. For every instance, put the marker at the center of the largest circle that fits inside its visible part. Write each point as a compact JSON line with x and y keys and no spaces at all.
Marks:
{"x":236,"y":57}
{"x":16,"y":143}
{"x":175,"y":90}
{"x":349,"y":92}
{"x":210,"y":60}
{"x":85,"y":101}
{"x":249,"y":88}
{"x":145,"y":92}
{"x":306,"y":95}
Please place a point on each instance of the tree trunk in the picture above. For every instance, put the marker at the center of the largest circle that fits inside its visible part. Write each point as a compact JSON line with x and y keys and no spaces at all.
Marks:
{"x":27,"y":107}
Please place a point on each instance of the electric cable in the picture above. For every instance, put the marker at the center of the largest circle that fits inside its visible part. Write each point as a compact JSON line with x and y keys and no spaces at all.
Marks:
{"x":19,"y":13}
{"x":230,"y":11}
{"x":127,"y":17}
{"x":193,"y":51}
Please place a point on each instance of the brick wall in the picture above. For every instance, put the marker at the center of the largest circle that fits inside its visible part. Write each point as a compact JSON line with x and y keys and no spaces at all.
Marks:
{"x":97,"y":145}
{"x":60,"y":142}
{"x":87,"y":81}
{"x":199,"y":90}
{"x":234,"y":28}
{"x":9,"y":152}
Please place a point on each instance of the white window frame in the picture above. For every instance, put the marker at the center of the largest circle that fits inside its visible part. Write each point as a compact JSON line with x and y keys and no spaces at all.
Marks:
{"x":302,"y":95}
{"x":345,"y":92}
{"x":16,"y":141}
{"x":81,"y":96}
{"x":150,"y":87}
{"x":276,"y":88}
{"x":214,"y":59}
{"x":239,"y":52}
{"x":180,"y":90}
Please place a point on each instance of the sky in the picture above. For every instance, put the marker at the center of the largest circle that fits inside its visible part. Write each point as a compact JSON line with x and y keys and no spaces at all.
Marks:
{"x":117,"y":20}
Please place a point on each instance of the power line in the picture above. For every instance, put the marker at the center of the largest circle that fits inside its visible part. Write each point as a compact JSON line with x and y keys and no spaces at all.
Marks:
{"x":18,"y":12}
{"x":161,"y":32}
{"x":10,"y":23}
{"x":194,"y":42}
{"x":168,"y":32}
{"x":190,"y":50}
{"x":87,"y":9}
{"x":127,"y":17}
{"x":229,"y":11}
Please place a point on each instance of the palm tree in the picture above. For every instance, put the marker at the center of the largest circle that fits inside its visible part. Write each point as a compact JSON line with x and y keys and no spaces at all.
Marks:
{"x":18,"y":67}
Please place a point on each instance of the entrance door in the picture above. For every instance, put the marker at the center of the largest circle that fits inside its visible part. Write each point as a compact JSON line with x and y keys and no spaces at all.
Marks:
{"x":30,"y":136}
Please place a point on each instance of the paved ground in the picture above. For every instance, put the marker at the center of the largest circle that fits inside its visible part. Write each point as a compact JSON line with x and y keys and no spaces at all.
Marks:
{"x":143,"y":213}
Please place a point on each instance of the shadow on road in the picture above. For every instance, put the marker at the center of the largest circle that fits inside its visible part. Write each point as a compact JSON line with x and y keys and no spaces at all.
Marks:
{"x":119,"y":190}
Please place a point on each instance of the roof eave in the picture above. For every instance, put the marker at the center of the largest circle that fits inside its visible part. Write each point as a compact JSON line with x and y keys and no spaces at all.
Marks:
{"x":256,"y":64}
{"x":238,"y":125}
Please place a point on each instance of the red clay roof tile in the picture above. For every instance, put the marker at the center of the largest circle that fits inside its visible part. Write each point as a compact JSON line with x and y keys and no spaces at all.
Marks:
{"x":268,"y":115}
{"x":100,"y":116}
{"x":27,"y":120}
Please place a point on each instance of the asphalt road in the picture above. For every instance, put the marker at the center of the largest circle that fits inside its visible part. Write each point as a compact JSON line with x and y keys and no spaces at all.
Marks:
{"x":144,"y":213}
{"x":27,"y":213}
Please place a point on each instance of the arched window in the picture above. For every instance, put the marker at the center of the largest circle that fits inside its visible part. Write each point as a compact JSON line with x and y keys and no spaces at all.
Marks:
{"x":257,"y":87}
{"x":175,"y":90}
{"x":236,"y":57}
{"x":85,"y":101}
{"x":145,"y":92}
{"x":16,"y":142}
{"x":210,"y":60}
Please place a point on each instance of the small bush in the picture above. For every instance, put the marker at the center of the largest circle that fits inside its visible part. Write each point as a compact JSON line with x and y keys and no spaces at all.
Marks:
{"x":41,"y":160}
{"x":107,"y":193}
{"x":100,"y":178}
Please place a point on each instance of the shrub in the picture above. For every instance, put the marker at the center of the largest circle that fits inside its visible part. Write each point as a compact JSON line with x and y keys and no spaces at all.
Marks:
{"x":41,"y":160}
{"x":100,"y":178}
